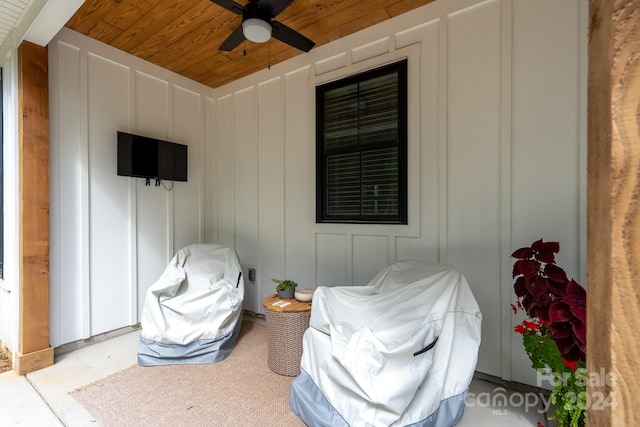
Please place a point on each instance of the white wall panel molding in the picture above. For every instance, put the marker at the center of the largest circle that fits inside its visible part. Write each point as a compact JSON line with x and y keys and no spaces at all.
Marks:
{"x":246,"y":185}
{"x":443,"y":136}
{"x":152,"y":105}
{"x":299,"y":155}
{"x":69,"y":195}
{"x":55,"y":269}
{"x":368,"y":254}
{"x":428,"y":125}
{"x":365,"y":64}
{"x":206,"y":138}
{"x":210,"y":185}
{"x":87,"y":44}
{"x":9,"y":297}
{"x":133,"y":209}
{"x":154,"y":216}
{"x":473,"y":162}
{"x":506,"y":292}
{"x":415,"y":34}
{"x":225,"y":170}
{"x":108,"y":210}
{"x":332,"y":63}
{"x":136,"y":301}
{"x":371,"y":50}
{"x":188,"y":119}
{"x":85,"y":234}
{"x":548,"y":127}
{"x":583,"y":48}
{"x":270,"y":259}
{"x":334,"y":263}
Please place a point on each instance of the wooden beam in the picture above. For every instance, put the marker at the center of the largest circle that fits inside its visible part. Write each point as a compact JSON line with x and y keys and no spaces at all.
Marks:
{"x":613,"y":212}
{"x":34,"y":351}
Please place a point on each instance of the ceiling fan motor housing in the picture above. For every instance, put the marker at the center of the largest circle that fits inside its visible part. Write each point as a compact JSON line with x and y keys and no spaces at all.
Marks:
{"x":256,"y":22}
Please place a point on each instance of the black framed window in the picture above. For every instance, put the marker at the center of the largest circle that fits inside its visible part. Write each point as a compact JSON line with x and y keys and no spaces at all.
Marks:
{"x":361,"y":147}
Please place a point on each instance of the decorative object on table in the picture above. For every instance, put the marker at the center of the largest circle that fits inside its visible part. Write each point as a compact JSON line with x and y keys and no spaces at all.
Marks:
{"x":554,"y":335}
{"x":286,"y":288}
{"x":304,"y":295}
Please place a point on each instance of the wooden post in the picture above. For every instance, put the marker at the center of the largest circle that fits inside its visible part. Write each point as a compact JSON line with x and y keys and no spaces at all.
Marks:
{"x":613,"y":212}
{"x":34,"y":351}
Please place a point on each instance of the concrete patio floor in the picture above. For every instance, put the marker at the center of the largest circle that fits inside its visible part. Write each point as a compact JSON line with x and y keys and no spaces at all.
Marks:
{"x":42,"y":399}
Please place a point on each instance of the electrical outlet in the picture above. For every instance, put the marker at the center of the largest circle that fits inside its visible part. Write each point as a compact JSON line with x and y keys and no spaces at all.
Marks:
{"x":252,"y":275}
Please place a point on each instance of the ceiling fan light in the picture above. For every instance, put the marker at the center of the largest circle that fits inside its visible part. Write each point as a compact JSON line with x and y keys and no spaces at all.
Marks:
{"x":256,"y":30}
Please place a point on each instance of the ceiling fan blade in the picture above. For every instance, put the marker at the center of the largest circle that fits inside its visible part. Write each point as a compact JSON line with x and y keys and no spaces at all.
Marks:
{"x":291,"y":37}
{"x":233,"y":40}
{"x":231,"y":5}
{"x":275,"y":6}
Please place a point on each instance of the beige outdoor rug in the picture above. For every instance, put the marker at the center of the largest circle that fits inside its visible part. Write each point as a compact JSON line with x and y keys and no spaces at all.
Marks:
{"x":239,"y":391}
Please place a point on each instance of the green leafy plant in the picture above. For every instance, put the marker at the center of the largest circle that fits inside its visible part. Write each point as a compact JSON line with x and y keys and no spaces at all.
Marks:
{"x":554,"y":335}
{"x":285,"y":285}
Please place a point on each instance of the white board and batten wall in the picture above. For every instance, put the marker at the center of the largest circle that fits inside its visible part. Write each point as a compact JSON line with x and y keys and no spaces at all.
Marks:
{"x":112,"y":236}
{"x":497,"y":159}
{"x":497,"y":155}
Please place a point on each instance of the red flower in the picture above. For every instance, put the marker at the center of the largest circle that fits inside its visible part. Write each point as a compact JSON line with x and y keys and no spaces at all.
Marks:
{"x":531,"y":325}
{"x":571,"y":365}
{"x":520,"y":329}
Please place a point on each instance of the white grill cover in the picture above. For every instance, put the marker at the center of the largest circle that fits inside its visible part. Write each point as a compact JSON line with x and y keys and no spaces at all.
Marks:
{"x":193,"y":308}
{"x":367,"y":349}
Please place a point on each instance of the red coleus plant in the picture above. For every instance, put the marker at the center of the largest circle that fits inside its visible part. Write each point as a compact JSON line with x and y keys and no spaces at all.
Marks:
{"x":546,"y":294}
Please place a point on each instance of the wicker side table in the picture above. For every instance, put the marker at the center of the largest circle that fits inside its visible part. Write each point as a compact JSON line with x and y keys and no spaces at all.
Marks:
{"x":286,"y":324}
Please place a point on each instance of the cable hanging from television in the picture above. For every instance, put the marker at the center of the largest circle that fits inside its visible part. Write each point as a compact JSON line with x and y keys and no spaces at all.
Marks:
{"x":165,"y":187}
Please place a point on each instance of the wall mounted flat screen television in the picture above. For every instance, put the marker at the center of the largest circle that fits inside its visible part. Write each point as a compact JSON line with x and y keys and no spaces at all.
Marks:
{"x":144,"y":157}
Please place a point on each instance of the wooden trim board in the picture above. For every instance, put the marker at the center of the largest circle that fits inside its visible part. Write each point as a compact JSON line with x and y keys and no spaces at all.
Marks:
{"x":25,"y":363}
{"x":613,"y":213}
{"x":34,"y":351}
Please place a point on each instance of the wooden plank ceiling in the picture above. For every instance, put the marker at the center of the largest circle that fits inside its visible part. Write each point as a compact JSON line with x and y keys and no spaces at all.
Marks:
{"x":184,"y":35}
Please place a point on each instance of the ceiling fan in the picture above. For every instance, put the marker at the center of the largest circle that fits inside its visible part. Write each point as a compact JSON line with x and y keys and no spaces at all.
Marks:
{"x":258,"y":25}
